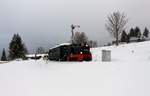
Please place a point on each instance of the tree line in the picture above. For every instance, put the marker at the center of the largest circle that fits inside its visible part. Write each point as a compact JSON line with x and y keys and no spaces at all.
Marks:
{"x":135,"y":35}
{"x":116,"y":26}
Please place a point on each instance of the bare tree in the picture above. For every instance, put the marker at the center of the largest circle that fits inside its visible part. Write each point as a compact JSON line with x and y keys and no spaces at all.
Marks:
{"x":80,"y":38}
{"x":116,"y":24}
{"x":40,"y":50}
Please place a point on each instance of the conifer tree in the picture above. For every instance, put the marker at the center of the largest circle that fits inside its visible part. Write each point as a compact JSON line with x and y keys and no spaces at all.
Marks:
{"x":137,"y":32}
{"x":3,"y":58}
{"x":132,"y":33}
{"x":146,"y":33}
{"x":128,"y":38}
{"x":124,"y":37}
{"x":16,"y":48}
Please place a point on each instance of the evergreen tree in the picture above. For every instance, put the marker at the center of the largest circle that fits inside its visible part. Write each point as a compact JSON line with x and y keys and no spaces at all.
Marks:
{"x":137,"y":32}
{"x":131,"y":34}
{"x":16,"y":48}
{"x":124,"y":37}
{"x":3,"y":58}
{"x":128,"y":38}
{"x":146,"y":33}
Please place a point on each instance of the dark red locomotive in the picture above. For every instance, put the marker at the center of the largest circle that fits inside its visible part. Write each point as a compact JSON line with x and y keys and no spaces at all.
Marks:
{"x":69,"y":52}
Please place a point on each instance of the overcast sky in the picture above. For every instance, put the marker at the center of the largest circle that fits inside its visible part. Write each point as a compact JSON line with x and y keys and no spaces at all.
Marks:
{"x":47,"y":22}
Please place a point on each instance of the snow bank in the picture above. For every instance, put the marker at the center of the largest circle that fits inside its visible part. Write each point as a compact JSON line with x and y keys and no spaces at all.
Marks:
{"x":126,"y":75}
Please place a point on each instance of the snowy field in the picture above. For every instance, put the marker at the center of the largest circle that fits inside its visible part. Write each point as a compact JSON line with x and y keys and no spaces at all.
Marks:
{"x":127,"y":75}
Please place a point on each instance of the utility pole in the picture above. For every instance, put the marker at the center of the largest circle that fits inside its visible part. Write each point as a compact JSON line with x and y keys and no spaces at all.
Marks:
{"x":72,"y":31}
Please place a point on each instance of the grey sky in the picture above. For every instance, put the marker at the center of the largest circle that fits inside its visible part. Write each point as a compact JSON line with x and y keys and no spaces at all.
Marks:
{"x":47,"y":22}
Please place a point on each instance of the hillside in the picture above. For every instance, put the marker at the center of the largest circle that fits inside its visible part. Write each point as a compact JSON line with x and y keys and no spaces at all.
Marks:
{"x":126,"y":52}
{"x":126,"y":75}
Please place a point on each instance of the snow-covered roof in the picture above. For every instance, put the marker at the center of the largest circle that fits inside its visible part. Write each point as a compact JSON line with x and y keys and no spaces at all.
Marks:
{"x":33,"y":55}
{"x":133,"y":38}
{"x":67,"y":44}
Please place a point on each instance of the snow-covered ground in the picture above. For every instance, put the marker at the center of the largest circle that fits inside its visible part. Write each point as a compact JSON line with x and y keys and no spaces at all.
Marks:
{"x":126,"y":75}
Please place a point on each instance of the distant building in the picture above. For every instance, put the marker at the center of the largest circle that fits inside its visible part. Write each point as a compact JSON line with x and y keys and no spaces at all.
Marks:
{"x":134,"y":39}
{"x":36,"y":56}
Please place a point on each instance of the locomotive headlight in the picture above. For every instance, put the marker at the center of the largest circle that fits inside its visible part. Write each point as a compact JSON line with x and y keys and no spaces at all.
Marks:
{"x":80,"y":52}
